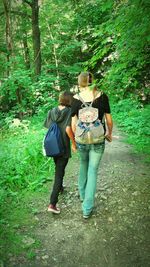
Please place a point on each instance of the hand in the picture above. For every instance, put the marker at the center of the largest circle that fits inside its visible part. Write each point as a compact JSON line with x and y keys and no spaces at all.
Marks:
{"x":108,"y":137}
{"x":74,"y":147}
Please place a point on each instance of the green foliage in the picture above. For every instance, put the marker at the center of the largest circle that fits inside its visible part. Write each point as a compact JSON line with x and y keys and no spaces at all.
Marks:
{"x":16,"y":91}
{"x":16,"y":214}
{"x":20,"y":95}
{"x":21,"y":149}
{"x":110,"y":38}
{"x":133,"y":119}
{"x":122,"y":48}
{"x":61,"y":48}
{"x":45,"y":94}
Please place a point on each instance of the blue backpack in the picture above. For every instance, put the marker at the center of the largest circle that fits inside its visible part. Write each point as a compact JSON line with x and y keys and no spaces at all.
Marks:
{"x":53,"y":142}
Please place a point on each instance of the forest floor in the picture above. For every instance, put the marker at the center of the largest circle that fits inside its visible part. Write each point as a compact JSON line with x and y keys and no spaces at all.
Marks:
{"x":115,"y":236}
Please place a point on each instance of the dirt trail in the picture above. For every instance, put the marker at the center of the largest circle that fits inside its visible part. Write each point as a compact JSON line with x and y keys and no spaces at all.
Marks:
{"x":117,"y":233}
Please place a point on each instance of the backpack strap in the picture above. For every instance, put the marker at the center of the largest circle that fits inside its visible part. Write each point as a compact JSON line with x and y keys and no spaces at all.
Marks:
{"x":88,"y":105}
{"x":84,"y":103}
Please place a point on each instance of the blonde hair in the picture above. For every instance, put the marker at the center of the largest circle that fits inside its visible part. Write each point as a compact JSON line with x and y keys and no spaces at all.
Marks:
{"x":85,"y":78}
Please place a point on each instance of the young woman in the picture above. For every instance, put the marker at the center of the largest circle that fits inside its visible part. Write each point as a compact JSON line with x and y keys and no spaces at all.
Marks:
{"x":90,"y":154}
{"x":61,"y":115}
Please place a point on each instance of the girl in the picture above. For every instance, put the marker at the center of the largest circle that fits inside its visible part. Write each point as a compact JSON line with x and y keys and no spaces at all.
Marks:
{"x":62,"y":116}
{"x":90,"y":154}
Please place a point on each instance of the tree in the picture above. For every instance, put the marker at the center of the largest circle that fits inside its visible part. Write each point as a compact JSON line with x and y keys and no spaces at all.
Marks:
{"x":34,"y":4}
{"x":8,"y":31}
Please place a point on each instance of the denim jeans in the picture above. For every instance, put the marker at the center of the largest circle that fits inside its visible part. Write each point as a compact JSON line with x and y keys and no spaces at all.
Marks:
{"x":90,"y":156}
{"x":60,"y":165}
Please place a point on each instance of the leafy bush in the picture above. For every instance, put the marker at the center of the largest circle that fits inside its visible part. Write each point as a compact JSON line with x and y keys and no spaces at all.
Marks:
{"x":21,"y":96}
{"x":22,"y":162}
{"x":16,"y":92}
{"x":133,"y":118}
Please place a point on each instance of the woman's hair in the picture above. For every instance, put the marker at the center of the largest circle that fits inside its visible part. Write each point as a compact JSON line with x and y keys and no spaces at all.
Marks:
{"x":65,"y":98}
{"x":85,"y":79}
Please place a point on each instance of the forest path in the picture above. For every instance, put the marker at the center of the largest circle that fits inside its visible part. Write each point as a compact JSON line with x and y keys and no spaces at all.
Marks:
{"x":117,"y":233}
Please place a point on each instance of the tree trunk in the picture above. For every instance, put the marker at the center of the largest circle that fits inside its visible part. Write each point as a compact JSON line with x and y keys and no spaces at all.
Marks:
{"x":57,"y":83}
{"x":9,"y":45}
{"x":19,"y":101}
{"x":25,"y":40}
{"x":36,"y":37}
{"x":26,"y":51}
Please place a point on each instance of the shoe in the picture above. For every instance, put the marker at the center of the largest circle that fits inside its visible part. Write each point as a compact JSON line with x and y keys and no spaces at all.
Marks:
{"x":53,"y":209}
{"x":86,"y":216}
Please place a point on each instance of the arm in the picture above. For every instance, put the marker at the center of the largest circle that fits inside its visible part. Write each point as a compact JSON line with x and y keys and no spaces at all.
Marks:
{"x":73,"y":123}
{"x":109,"y":123}
{"x":71,"y":136}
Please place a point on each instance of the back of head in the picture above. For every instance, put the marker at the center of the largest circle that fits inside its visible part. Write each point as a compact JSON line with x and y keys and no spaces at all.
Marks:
{"x":65,"y":99}
{"x":85,"y":79}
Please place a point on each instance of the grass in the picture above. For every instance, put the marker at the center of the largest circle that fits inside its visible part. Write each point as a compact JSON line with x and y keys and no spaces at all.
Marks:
{"x":18,"y":221}
{"x":132,"y":118}
{"x":22,"y":162}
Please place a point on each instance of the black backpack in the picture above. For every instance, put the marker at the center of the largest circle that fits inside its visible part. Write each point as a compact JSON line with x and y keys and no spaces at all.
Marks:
{"x":53,"y":143}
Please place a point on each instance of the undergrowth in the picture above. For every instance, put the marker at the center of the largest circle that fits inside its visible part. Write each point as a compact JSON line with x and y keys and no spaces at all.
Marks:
{"x":132,"y":118}
{"x":22,"y":162}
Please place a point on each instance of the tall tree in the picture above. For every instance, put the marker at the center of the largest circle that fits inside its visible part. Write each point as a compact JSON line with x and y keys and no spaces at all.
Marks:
{"x":7,"y":10}
{"x":24,"y":35}
{"x":34,"y":4}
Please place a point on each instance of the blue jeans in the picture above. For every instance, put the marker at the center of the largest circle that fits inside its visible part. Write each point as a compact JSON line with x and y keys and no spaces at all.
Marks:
{"x":90,"y":156}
